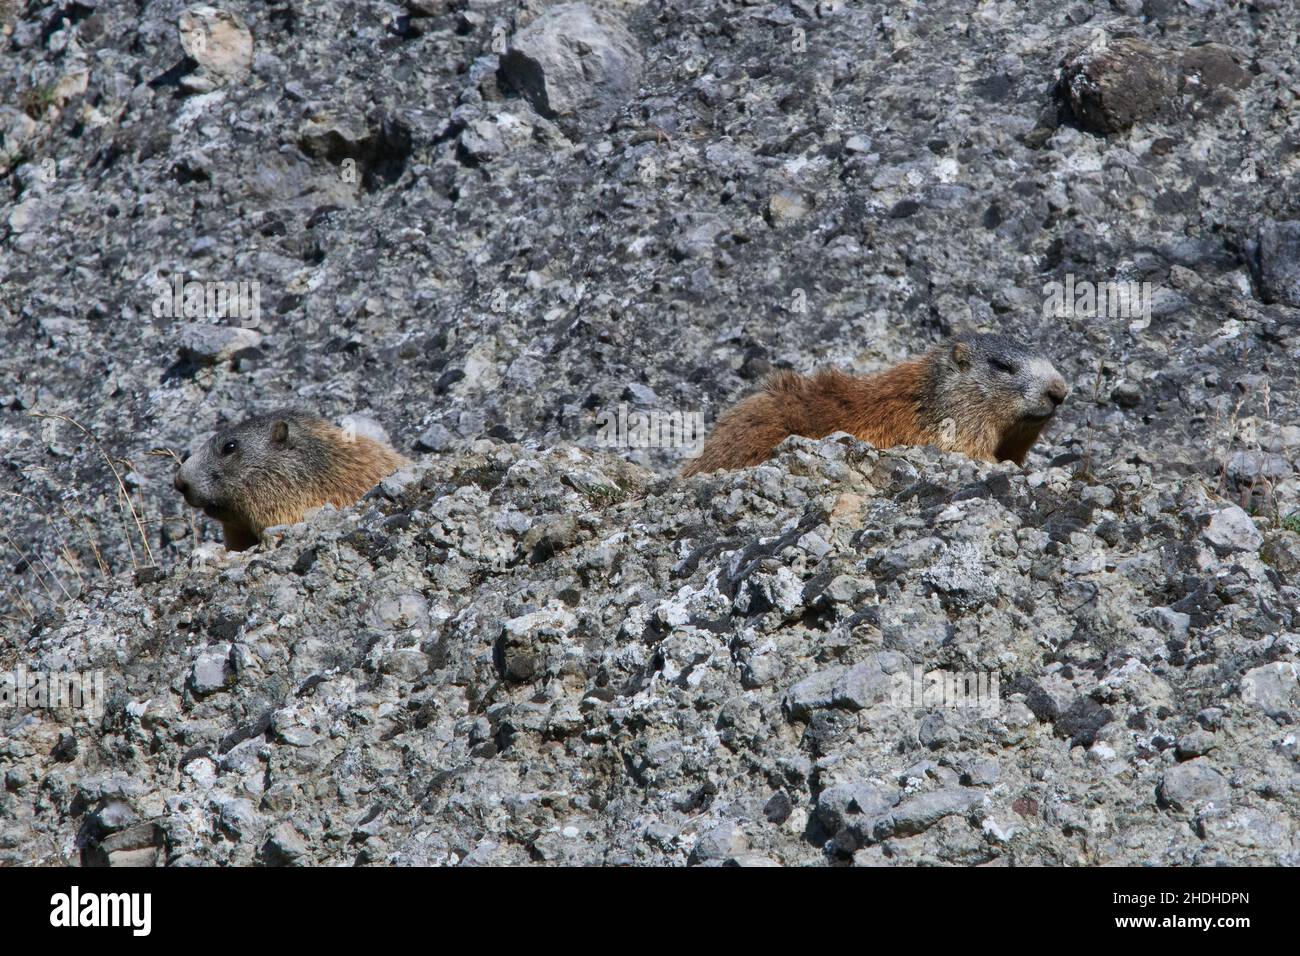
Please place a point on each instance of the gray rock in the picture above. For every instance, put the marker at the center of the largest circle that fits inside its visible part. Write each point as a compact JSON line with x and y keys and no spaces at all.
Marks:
{"x":115,"y":815}
{"x":854,"y":688}
{"x":1196,"y":743}
{"x":32,"y":215}
{"x":723,"y":842}
{"x":845,"y":805}
{"x":786,"y":207}
{"x":1277,"y":262}
{"x":1282,"y":548}
{"x":406,"y":663}
{"x":334,"y":136}
{"x":1193,"y":785}
{"x":285,"y":847}
{"x":1082,"y":721}
{"x":574,"y":61}
{"x":428,"y":8}
{"x":523,"y":638}
{"x":213,"y":344}
{"x":238,"y":819}
{"x":1231,"y":530}
{"x":1112,"y":86}
{"x":487,"y":139}
{"x":642,"y":395}
{"x":211,"y":672}
{"x":1127,"y":395}
{"x":219,"y":42}
{"x":1170,"y":622}
{"x":1114,"y":83}
{"x":919,"y":813}
{"x":1247,"y":467}
{"x":405,"y":611}
{"x":1273,"y":688}
{"x":546,"y":538}
{"x":137,"y":846}
{"x":981,"y":773}
{"x":960,"y":578}
{"x":145,"y":856}
{"x":1211,"y":718}
{"x":434,"y":438}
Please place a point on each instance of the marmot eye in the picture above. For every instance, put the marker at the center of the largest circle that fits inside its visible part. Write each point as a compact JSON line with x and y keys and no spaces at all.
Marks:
{"x":1003,"y":366}
{"x":229,"y":447}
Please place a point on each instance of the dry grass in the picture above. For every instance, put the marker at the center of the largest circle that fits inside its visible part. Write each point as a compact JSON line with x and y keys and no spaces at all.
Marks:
{"x":124,"y":496}
{"x":53,"y":579}
{"x":30,"y":560}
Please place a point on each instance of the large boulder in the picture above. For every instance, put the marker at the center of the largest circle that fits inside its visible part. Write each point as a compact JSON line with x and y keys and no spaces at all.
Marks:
{"x":1276,"y":263}
{"x":574,"y":62}
{"x":219,"y":42}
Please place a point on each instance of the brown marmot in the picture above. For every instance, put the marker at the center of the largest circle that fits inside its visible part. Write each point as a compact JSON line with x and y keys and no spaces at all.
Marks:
{"x":270,"y":469}
{"x":987,"y":396}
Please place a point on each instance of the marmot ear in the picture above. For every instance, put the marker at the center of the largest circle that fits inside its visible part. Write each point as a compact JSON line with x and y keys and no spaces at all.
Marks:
{"x":280,"y":433}
{"x":961,"y":354}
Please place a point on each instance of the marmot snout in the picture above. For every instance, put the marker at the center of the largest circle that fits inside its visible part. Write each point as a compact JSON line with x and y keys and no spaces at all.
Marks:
{"x":986,"y":396}
{"x":270,"y":469}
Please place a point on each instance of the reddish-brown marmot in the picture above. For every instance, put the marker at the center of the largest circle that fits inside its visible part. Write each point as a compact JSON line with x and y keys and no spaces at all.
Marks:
{"x":270,"y":469}
{"x":986,"y":396}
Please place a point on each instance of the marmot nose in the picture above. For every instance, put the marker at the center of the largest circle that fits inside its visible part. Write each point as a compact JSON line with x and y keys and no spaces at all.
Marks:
{"x":180,"y":483}
{"x":1057,"y":391}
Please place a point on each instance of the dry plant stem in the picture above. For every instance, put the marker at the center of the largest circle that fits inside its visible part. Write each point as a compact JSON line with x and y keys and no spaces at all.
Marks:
{"x":24,"y":556}
{"x":121,"y":486}
{"x":90,"y":539}
{"x":22,"y":604}
{"x":68,"y":555}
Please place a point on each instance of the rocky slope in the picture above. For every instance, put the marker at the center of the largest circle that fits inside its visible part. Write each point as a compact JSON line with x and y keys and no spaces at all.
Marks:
{"x":486,"y":225}
{"x":514,"y":656}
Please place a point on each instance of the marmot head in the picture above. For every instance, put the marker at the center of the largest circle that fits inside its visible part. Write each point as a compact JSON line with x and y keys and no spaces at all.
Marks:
{"x":271,"y":469}
{"x":263,"y":457}
{"x":995,"y":393}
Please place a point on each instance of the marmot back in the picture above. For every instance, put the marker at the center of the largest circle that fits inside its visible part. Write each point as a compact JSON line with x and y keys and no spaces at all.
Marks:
{"x":271,"y":469}
{"x":987,"y":396}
